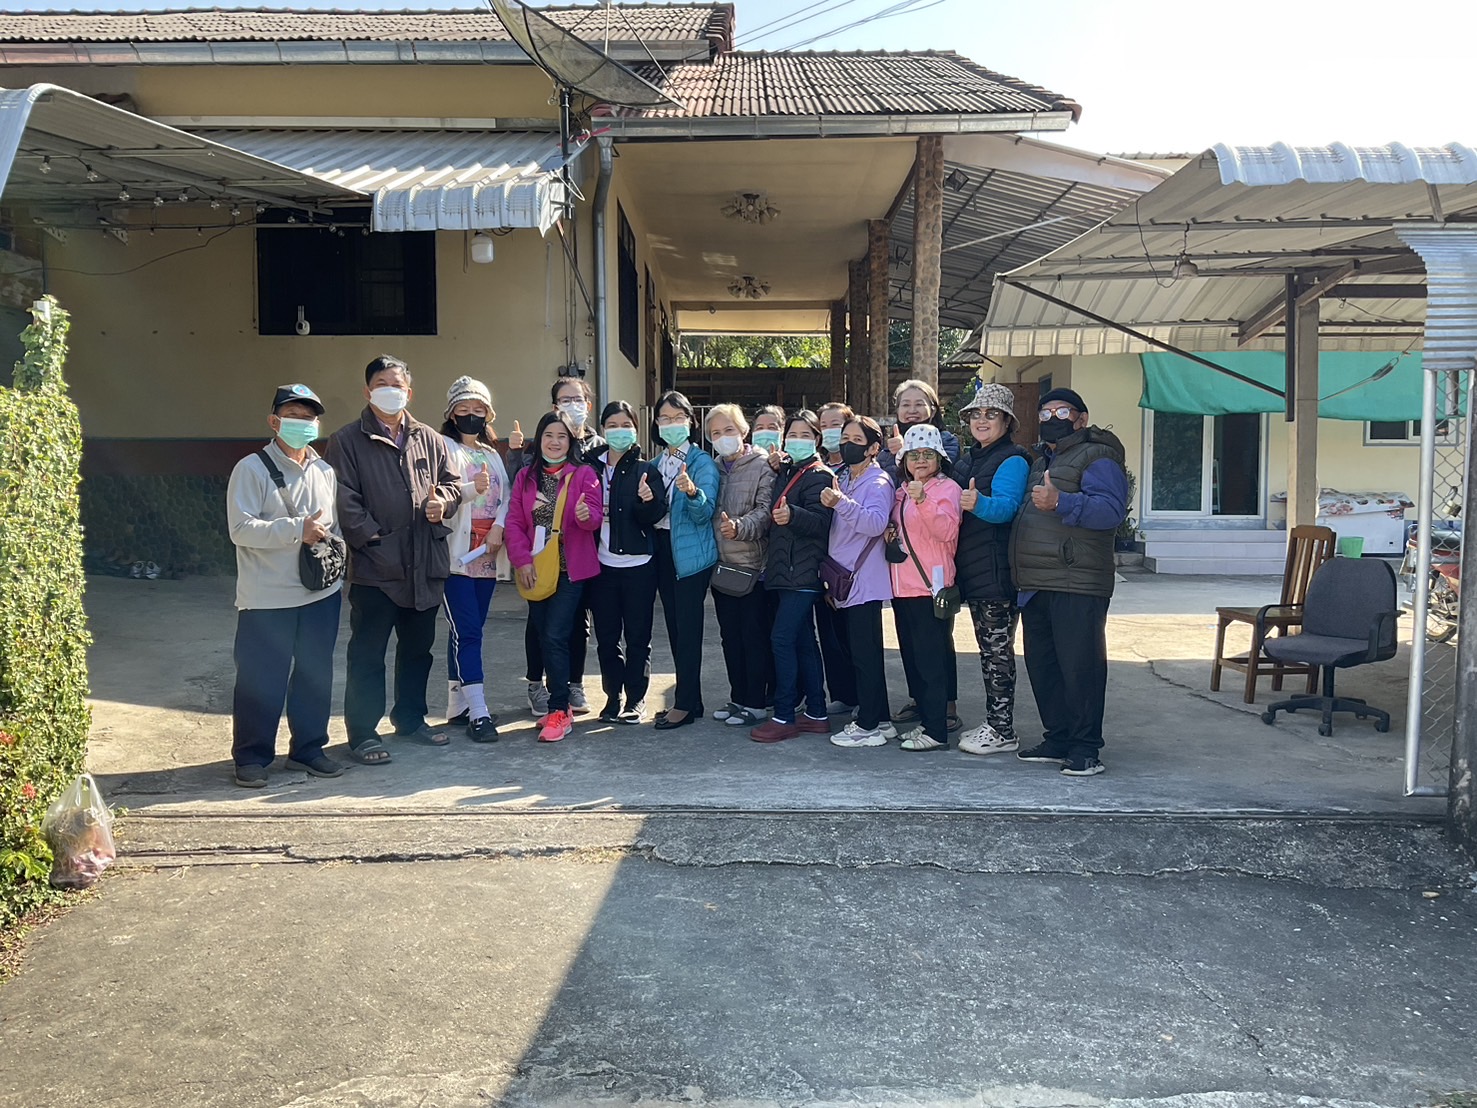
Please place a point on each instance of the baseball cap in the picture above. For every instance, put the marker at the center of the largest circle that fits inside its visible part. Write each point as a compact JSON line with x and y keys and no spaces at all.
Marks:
{"x":298,"y":393}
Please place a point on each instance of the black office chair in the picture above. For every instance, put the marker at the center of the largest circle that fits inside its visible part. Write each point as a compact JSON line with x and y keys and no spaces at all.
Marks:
{"x":1348,"y":620}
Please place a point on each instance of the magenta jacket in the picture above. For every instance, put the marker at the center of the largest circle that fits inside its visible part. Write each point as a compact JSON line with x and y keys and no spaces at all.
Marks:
{"x":580,"y":555}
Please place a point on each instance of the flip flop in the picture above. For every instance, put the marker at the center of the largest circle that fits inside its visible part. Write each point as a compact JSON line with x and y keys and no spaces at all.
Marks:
{"x":362,"y":753}
{"x":425,"y":736}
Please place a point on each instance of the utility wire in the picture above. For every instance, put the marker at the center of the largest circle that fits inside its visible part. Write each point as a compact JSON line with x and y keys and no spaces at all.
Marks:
{"x":785,"y":22}
{"x":905,"y":8}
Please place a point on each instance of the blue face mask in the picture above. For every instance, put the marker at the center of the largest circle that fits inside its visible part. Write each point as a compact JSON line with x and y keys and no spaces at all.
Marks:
{"x":802,"y":450}
{"x":621,"y":439}
{"x":831,"y":438}
{"x":297,"y":433}
{"x":766,"y":440}
{"x":675,"y":434}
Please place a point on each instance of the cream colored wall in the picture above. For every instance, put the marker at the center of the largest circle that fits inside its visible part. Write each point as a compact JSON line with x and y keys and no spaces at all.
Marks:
{"x":171,"y":350}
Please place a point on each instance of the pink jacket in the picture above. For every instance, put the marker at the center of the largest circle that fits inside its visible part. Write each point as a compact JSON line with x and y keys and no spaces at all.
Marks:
{"x":580,"y":555}
{"x":933,"y":527}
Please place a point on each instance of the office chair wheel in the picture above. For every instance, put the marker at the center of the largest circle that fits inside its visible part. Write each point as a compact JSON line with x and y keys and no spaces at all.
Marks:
{"x":1325,"y":729}
{"x":1269,"y":718}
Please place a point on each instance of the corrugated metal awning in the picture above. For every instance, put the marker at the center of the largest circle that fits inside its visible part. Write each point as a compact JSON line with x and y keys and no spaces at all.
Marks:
{"x":1255,"y":214}
{"x":428,"y":180}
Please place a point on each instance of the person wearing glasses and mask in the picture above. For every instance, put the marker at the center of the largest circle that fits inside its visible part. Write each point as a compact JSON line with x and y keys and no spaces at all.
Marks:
{"x":992,"y":471}
{"x":1061,"y":557}
{"x":572,"y":398}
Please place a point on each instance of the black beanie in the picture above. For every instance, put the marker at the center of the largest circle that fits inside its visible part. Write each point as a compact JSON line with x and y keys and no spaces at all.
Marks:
{"x":1063,"y":394}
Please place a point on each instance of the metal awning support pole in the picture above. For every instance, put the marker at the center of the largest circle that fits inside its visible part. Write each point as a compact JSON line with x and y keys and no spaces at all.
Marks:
{"x":1415,"y":711}
{"x":1302,"y":446}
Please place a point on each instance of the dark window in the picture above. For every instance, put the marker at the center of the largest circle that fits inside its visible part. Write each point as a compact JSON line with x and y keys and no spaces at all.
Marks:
{"x":347,"y":282}
{"x":630,"y":291}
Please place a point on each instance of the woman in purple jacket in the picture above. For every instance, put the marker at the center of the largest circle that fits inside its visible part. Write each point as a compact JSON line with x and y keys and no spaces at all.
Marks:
{"x":861,"y":498}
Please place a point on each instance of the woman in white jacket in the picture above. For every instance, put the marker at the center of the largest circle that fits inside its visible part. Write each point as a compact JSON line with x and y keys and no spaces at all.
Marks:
{"x":476,"y":539}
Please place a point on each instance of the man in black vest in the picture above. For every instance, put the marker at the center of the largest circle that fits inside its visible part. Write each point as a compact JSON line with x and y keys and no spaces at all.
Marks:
{"x":1061,"y":556}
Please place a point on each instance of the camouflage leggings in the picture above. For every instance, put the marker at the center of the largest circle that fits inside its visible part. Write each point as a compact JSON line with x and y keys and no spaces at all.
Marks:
{"x":994,"y":631}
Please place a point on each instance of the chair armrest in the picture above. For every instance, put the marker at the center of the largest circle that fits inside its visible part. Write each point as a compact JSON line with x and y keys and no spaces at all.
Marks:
{"x":1261,"y":617}
{"x":1377,"y":636}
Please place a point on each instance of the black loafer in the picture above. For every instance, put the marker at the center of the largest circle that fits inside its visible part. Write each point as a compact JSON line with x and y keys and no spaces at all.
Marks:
{"x":483,"y":730}
{"x":666,"y":723}
{"x":321,"y":766}
{"x":251,"y":777}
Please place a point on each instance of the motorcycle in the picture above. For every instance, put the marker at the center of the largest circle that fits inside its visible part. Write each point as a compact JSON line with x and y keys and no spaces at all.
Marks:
{"x":1444,"y":592}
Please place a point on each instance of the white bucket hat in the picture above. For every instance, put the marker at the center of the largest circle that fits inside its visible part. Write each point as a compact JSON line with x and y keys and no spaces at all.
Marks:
{"x":924,"y":436}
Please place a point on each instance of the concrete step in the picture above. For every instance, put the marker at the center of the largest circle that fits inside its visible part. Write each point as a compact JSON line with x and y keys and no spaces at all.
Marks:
{"x":1199,"y":535}
{"x":1219,"y":548}
{"x":1234,"y":567}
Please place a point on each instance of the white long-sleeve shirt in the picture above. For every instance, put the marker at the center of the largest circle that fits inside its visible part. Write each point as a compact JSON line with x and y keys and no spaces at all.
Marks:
{"x":468,"y":461}
{"x":267,"y":534}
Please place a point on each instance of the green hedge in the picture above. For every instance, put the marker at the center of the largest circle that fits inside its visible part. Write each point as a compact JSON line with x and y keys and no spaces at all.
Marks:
{"x":44,"y":717}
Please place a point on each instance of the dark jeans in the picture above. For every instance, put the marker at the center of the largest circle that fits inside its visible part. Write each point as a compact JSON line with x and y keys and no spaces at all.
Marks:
{"x":579,"y":643}
{"x":283,"y":654}
{"x":623,"y":602}
{"x":684,"y":610}
{"x":1065,"y":639}
{"x":925,"y":643}
{"x":466,"y":604}
{"x":554,"y":619}
{"x":372,"y":616}
{"x":797,"y":657}
{"x":863,"y":626}
{"x":743,"y":625}
{"x":830,"y":628}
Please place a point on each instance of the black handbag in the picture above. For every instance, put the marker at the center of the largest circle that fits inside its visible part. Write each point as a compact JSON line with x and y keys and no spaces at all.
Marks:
{"x":321,"y":565}
{"x":734,"y":580}
{"x":948,"y":600}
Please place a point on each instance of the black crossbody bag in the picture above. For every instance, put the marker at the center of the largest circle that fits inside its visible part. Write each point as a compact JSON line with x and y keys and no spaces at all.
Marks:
{"x":321,"y":565}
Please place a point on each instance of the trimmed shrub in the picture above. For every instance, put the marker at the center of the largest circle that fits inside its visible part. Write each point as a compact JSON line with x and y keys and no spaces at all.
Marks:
{"x":44,"y":717}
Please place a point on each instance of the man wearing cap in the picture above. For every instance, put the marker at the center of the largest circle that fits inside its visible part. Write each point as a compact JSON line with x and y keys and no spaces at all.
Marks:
{"x":285,"y":632}
{"x":1061,"y":555}
{"x":396,"y":488}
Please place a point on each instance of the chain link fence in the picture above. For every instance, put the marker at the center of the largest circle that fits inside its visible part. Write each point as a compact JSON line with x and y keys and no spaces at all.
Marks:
{"x":1431,"y":574}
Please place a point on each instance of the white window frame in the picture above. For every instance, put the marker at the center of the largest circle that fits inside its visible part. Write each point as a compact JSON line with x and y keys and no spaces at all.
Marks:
{"x":1413,"y":435}
{"x":1207,"y":506}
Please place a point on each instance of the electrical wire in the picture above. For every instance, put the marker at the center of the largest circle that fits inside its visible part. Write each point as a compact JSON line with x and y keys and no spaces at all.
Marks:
{"x":794,"y":19}
{"x":906,"y":7}
{"x":142,"y":265}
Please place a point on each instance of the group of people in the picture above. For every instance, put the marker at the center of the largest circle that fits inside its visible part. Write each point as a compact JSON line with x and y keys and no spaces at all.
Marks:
{"x":802,"y":526}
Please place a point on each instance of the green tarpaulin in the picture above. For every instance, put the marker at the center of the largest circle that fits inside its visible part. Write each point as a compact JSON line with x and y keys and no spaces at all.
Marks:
{"x":1347,"y":384}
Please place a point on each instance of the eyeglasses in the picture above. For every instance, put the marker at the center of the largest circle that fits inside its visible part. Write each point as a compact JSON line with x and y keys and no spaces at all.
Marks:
{"x":1061,"y":411}
{"x":985,"y":415}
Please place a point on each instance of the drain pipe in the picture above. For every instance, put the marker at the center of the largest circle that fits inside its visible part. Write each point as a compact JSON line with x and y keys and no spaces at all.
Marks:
{"x":602,"y":298}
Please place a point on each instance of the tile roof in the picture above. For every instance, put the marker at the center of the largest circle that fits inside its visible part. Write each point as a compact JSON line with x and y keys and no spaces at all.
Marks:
{"x":649,"y":22}
{"x":743,"y":84}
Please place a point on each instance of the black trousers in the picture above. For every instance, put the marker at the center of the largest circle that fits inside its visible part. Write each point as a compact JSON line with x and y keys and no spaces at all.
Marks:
{"x":926,"y":643}
{"x":623,"y":602}
{"x":830,"y":629}
{"x":744,"y":627}
{"x":579,"y":642}
{"x":863,"y":626}
{"x":684,"y":610}
{"x":1065,"y":639}
{"x":948,"y":665}
{"x":372,"y":616}
{"x":284,"y":654}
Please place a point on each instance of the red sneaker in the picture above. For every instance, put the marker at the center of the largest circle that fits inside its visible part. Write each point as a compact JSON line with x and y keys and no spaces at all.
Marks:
{"x":557,"y":725}
{"x":812,"y":726}
{"x":774,"y":731}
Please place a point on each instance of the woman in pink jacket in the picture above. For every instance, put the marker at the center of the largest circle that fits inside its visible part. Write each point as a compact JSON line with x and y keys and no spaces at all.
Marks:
{"x":530,"y":525}
{"x":926,"y":518}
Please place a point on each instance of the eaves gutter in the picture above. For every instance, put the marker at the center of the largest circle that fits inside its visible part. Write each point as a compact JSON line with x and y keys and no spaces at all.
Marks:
{"x":310,"y":52}
{"x":829,"y":126}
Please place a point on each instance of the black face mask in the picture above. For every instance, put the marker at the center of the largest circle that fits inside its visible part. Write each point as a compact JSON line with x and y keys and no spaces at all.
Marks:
{"x":469,"y":424}
{"x":1055,"y":430}
{"x":853,"y":454}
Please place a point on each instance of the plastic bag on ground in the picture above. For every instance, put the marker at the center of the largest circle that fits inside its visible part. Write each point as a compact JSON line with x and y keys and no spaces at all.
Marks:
{"x":79,"y":829}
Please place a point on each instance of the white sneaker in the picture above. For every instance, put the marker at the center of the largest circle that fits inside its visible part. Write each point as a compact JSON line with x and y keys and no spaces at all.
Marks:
{"x":840,"y":708}
{"x":984,"y":739}
{"x":854,"y":734}
{"x":887,"y":729}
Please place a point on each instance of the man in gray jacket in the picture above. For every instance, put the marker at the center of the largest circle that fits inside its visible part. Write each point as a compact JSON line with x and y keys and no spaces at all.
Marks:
{"x":395,"y":488}
{"x":285,"y":633}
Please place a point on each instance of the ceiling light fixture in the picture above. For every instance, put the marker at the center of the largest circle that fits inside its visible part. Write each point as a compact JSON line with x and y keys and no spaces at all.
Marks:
{"x":751,"y":207}
{"x":748,"y":288}
{"x":92,"y":174}
{"x":46,"y":164}
{"x":124,"y":196}
{"x":956,"y":181}
{"x":1184,"y":268}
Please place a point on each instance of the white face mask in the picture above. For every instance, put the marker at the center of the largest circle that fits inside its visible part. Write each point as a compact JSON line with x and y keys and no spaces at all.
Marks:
{"x":388,"y":399}
{"x":728,"y":445}
{"x":576,"y":410}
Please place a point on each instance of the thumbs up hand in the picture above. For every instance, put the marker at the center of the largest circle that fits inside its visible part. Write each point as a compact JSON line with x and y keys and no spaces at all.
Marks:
{"x":776,"y":458}
{"x":832,"y":496}
{"x":313,"y":529}
{"x":643,"y":490}
{"x":1046,"y":496}
{"x":917,"y":491}
{"x":435,"y":509}
{"x":969,"y":497}
{"x":515,"y":440}
{"x":482,"y":480}
{"x":781,"y":513}
{"x":582,"y":509}
{"x":727,"y":527}
{"x":685,"y":483}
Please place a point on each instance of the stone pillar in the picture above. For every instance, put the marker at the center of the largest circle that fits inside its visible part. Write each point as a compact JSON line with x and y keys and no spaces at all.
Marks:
{"x":1302,"y":446}
{"x":838,"y":350}
{"x":879,"y":286}
{"x":858,"y":358}
{"x":928,"y":248}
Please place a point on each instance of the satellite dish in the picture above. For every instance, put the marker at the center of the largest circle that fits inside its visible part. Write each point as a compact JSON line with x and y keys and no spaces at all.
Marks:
{"x":573,"y":63}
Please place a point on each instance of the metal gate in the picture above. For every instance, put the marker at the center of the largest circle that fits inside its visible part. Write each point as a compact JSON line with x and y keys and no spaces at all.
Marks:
{"x":1432,"y":559}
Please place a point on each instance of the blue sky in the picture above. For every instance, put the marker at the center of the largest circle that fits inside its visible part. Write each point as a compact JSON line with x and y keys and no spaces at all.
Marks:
{"x":1168,"y":75}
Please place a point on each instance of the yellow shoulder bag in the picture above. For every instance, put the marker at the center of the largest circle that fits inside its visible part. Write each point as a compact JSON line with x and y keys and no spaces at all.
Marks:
{"x":546,"y":561}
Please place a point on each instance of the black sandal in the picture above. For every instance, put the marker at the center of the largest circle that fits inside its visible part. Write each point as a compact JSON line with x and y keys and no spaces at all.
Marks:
{"x":371,"y":752}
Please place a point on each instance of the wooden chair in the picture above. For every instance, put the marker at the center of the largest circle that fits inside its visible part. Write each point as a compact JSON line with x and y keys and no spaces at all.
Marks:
{"x":1307,"y":549}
